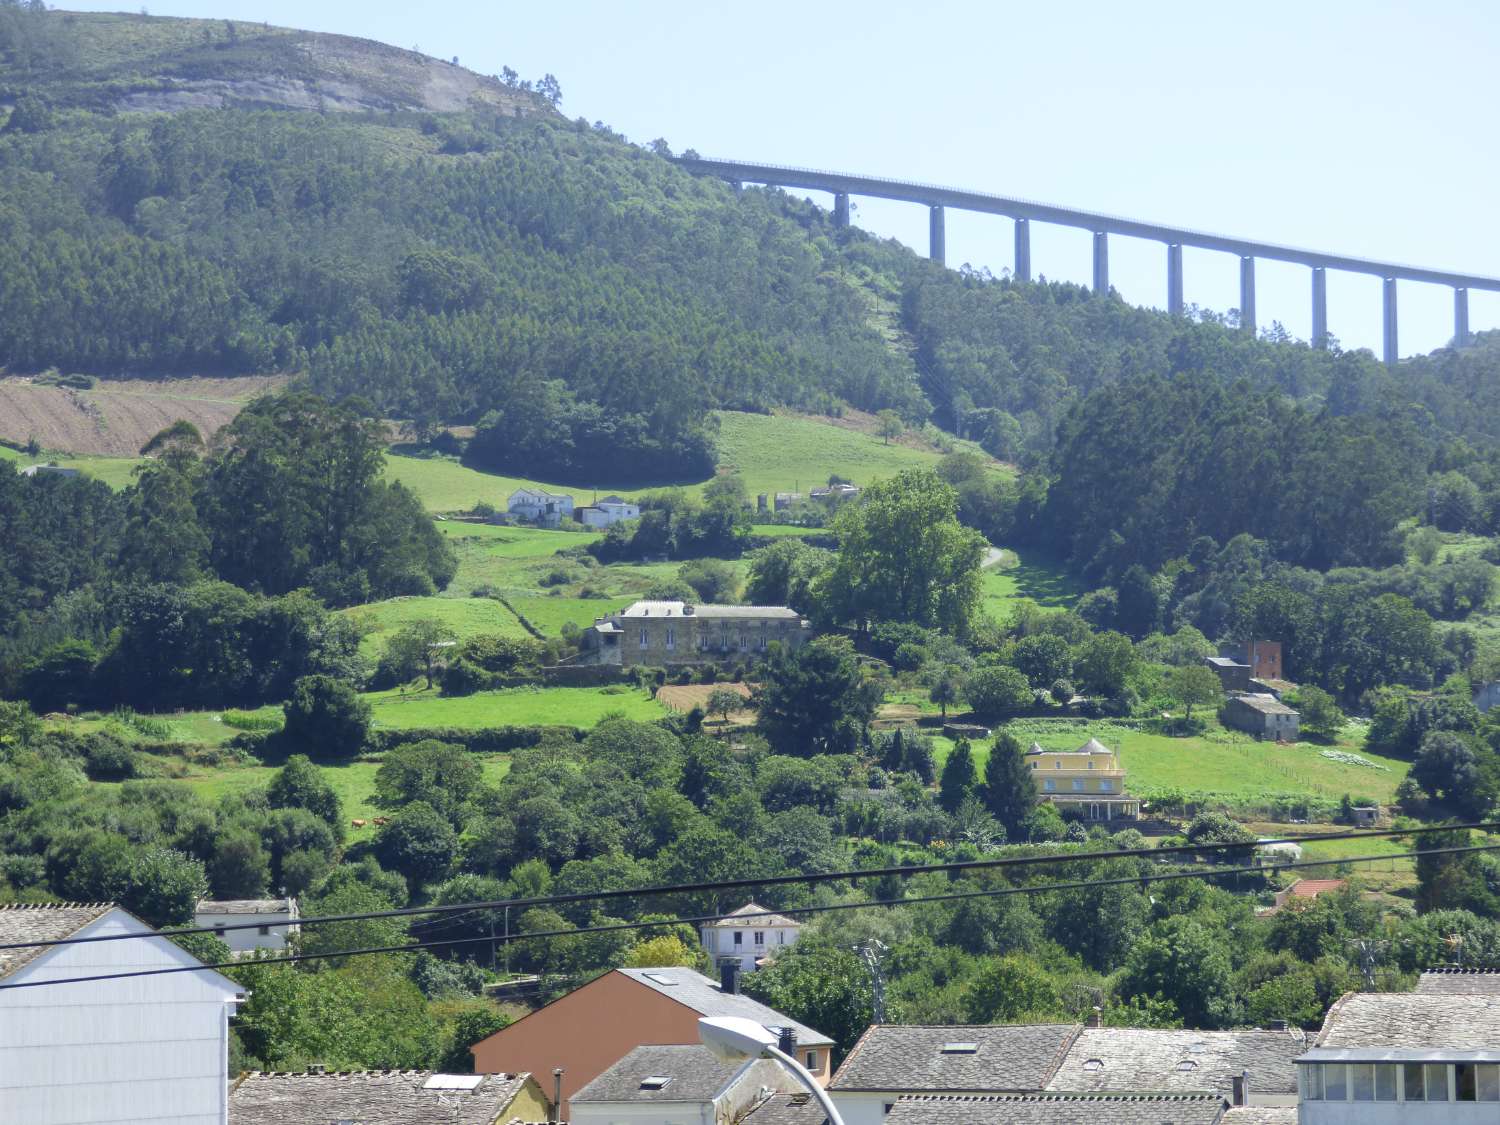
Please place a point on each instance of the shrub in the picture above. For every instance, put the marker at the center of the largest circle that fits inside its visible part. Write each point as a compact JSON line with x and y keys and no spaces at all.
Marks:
{"x":326,"y":717}
{"x":108,"y":760}
{"x":249,"y":720}
{"x":998,"y":691}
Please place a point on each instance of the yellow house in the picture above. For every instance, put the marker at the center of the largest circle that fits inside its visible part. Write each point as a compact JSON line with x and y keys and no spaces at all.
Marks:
{"x":1087,"y":782}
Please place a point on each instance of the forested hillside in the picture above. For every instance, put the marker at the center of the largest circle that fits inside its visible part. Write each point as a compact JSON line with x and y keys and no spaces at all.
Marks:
{"x":585,"y":304}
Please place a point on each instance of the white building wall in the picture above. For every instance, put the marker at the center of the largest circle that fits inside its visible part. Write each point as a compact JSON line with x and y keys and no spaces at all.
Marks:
{"x":719,"y":942}
{"x":627,"y":1113}
{"x":863,"y":1107}
{"x":1393,"y":1113}
{"x":243,"y":941}
{"x":142,"y":1050}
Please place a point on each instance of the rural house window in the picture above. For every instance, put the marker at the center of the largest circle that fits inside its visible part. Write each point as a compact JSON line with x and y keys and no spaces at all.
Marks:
{"x":1106,"y":786}
{"x":671,"y":637}
{"x":739,"y":938}
{"x":265,"y":931}
{"x":812,"y":1060}
{"x":1051,"y":785}
{"x":1078,"y":785}
{"x":780,"y":937}
{"x":744,"y":642}
{"x":760,"y":938}
{"x":644,"y":641}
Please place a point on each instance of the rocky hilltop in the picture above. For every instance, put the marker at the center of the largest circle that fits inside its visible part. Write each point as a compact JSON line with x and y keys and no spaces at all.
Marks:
{"x":136,"y":63}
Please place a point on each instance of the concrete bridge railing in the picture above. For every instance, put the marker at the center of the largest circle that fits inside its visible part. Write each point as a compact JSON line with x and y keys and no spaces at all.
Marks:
{"x":1024,"y":212}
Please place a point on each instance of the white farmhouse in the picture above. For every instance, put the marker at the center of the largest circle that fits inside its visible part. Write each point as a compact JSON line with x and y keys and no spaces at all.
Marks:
{"x":748,"y":939}
{"x":273,"y":920}
{"x":610,"y":510}
{"x":140,"y":1050}
{"x":533,"y":505}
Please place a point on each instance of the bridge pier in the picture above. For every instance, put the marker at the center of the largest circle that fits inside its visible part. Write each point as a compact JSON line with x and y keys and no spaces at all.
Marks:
{"x":1023,"y":250}
{"x":1101,"y":262}
{"x":1319,"y":307}
{"x":1247,"y":294}
{"x":1174,"y":278}
{"x":937,"y":242}
{"x":1392,"y":351}
{"x":1460,"y":317}
{"x":841,"y":209}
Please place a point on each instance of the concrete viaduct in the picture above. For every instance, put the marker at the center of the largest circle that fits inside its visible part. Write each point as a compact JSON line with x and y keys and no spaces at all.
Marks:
{"x":1025,"y":212}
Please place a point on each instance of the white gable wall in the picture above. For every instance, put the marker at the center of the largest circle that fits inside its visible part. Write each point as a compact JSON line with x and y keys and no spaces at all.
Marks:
{"x":146,"y":1049}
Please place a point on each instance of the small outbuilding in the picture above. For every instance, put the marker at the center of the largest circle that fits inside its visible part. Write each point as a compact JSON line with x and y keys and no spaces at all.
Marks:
{"x":1264,"y":716}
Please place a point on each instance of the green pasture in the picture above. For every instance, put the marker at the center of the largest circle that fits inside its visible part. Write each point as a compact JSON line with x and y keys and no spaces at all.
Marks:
{"x":467,"y":617}
{"x":551,"y":614}
{"x":117,"y":472}
{"x":1216,"y":763}
{"x":1038,"y":578}
{"x":353,"y":781}
{"x":527,"y":706}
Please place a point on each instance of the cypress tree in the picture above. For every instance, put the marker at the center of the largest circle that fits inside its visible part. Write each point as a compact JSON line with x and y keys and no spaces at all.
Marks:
{"x":1009,"y":791}
{"x":960,"y":779}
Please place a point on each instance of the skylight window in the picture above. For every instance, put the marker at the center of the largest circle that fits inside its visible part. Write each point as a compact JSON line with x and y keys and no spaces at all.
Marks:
{"x":960,"y":1048}
{"x":1187,"y":1064}
{"x":655,"y":1081}
{"x":1093,"y":1066}
{"x":660,"y":979}
{"x":453,"y":1082}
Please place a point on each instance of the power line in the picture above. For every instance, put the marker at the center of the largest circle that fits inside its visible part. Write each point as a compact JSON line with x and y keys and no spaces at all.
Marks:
{"x":903,"y":872}
{"x":614,"y":927}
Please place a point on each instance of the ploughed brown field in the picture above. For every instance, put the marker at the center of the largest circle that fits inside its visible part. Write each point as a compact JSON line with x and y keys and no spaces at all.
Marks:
{"x":117,"y":417}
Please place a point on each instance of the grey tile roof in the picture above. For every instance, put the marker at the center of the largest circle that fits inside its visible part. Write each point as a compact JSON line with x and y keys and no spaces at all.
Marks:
{"x":695,"y":1076}
{"x":1261,"y":1115}
{"x":911,"y":1057}
{"x":376,"y":1097}
{"x":1058,"y":1109}
{"x":786,"y":1109}
{"x":764,"y":920}
{"x":689,"y":609}
{"x":1149,"y":1059}
{"x":246,"y":906}
{"x":1412,"y":1021}
{"x":694,"y":990}
{"x":42,"y":922}
{"x":1459,"y":982}
{"x":1265,"y":704}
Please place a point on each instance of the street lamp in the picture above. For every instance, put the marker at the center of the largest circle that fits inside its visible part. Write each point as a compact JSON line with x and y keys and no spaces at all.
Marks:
{"x":734,"y":1039}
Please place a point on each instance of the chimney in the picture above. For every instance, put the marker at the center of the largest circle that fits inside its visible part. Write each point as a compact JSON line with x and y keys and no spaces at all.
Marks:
{"x":729,"y":976}
{"x":1239,"y":1087}
{"x":786,"y":1042}
{"x":1096,"y":1018}
{"x":556,"y":1114}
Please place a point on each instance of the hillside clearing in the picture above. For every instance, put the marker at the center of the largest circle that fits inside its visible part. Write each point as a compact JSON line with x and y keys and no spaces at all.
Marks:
{"x":467,"y":617}
{"x":522,"y":707}
{"x":116,"y":417}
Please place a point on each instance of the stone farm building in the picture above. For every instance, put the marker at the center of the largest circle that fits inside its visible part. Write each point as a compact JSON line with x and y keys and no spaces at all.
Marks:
{"x":604,"y":513}
{"x":1263,"y":715}
{"x":660,"y":634}
{"x":533,"y":505}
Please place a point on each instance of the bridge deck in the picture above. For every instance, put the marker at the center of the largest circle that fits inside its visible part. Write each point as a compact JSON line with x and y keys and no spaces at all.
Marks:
{"x":934,"y":195}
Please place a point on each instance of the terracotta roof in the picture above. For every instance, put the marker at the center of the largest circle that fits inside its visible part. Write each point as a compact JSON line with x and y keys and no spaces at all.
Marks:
{"x":1058,"y":1109}
{"x":1459,"y":982}
{"x":974,"y":1057}
{"x":1177,"y":1061}
{"x":764,"y":921}
{"x":50,"y":921}
{"x":373,"y":1097}
{"x":1312,"y":888}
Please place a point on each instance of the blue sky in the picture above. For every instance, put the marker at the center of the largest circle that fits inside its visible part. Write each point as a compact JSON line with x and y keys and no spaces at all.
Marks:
{"x":1366,"y":128}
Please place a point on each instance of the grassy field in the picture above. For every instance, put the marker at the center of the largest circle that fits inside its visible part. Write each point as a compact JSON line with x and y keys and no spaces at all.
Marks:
{"x":771,"y":453}
{"x":117,"y":472}
{"x":550,"y":614}
{"x":1038,"y":578}
{"x":353,"y":781}
{"x":563,"y":707}
{"x":1218,"y":763}
{"x":467,"y":617}
{"x":785,"y":531}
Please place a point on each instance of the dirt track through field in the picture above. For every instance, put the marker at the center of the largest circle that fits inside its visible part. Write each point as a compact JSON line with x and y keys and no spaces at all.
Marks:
{"x":117,"y":417}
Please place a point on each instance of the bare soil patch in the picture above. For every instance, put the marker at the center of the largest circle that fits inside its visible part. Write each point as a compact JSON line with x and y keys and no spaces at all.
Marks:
{"x":117,"y":417}
{"x":684,"y":697}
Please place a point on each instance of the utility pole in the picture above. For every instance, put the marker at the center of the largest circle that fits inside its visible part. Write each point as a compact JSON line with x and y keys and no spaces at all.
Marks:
{"x":871,"y":952}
